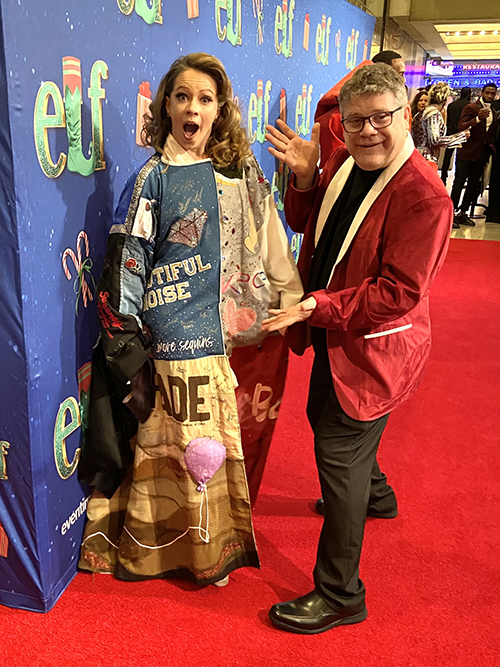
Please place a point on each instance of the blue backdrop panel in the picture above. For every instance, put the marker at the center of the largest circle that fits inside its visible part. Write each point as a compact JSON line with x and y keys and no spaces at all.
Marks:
{"x":77,"y":76}
{"x":19,"y":573}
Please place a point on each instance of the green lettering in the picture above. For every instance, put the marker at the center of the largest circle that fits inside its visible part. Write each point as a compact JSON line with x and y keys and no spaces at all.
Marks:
{"x":252,"y":113}
{"x":278,"y":26}
{"x":309,"y":98}
{"x":61,"y":432}
{"x":4,"y":446}
{"x":77,"y":162}
{"x":42,"y":121}
{"x":327,"y":41}
{"x":234,"y":28}
{"x":126,"y":6}
{"x":221,"y":31}
{"x":149,"y":14}
{"x":267,"y":97}
{"x":319,"y":42}
{"x":96,"y":93}
{"x":287,"y":28}
{"x":298,"y":114}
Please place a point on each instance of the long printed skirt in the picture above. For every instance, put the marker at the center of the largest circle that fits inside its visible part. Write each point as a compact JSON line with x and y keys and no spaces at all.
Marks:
{"x":158,"y":523}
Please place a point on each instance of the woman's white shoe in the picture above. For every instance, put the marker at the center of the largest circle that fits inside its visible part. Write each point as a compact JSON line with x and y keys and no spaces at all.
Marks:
{"x":222,"y":582}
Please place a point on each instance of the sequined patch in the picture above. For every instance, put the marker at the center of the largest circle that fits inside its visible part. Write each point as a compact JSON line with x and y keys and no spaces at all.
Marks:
{"x":188,"y":229}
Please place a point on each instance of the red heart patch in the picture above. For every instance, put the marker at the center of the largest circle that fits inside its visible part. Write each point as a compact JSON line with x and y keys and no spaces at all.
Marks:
{"x":237,"y":319}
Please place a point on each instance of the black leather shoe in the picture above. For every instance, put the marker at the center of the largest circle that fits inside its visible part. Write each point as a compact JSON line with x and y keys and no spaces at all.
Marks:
{"x":389,"y":514}
{"x":488,"y":219}
{"x":463,"y":219}
{"x":456,"y":224}
{"x":319,"y":506}
{"x":310,"y":614}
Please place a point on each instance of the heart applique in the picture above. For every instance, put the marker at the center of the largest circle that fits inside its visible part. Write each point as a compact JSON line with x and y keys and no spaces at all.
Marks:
{"x":237,"y":319}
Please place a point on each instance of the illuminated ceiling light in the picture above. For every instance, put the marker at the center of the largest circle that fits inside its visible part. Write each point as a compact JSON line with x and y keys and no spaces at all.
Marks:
{"x":483,"y":32}
{"x":495,"y":32}
{"x":457,"y":34}
{"x":469,"y":33}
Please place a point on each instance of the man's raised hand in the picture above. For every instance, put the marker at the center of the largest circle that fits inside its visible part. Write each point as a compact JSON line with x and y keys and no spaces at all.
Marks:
{"x":299,"y":154}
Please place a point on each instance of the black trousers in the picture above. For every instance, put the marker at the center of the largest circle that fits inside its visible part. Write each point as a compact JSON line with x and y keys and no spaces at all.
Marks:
{"x":470,"y":172}
{"x":351,"y":481}
{"x":494,"y":189}
{"x":448,"y":154}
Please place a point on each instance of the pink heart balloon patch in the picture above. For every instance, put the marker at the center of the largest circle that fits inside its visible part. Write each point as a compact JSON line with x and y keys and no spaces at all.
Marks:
{"x":237,"y":319}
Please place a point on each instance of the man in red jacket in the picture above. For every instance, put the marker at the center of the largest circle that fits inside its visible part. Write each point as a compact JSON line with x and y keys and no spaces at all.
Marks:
{"x":376,"y":227}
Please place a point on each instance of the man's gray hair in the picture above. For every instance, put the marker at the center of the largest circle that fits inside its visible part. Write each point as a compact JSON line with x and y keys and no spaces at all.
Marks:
{"x":373,"y":80}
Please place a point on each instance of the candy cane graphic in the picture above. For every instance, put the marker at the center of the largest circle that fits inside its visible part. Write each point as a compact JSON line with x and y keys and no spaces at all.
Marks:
{"x":337,"y":43}
{"x":193,"y":10}
{"x":4,"y":542}
{"x":283,"y":105}
{"x":307,"y":26}
{"x":81,"y":267}
{"x":258,"y":13}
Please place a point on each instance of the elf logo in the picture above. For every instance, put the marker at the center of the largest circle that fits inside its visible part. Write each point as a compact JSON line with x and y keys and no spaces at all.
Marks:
{"x":258,"y":109}
{"x":68,"y":114}
{"x":283,"y":23}
{"x":149,"y":14}
{"x":323,"y":40}
{"x":232,"y":28}
{"x":303,"y":110}
{"x":352,"y":50}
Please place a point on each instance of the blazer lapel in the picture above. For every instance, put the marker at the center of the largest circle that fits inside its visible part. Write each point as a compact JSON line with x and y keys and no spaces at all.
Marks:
{"x":332,"y":192}
{"x":381,"y":182}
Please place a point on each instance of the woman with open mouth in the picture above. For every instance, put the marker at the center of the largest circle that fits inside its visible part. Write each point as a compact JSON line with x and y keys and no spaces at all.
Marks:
{"x":196,"y":258}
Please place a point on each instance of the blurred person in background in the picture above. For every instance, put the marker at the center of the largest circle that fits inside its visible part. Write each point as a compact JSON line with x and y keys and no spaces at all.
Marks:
{"x":453,"y":112}
{"x":434,"y":128}
{"x":493,"y":210}
{"x":393,"y":59}
{"x":477,"y":117}
{"x":418,"y":104}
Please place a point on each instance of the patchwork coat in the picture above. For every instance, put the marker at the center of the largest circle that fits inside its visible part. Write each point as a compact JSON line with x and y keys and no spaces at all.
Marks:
{"x":183,"y":234}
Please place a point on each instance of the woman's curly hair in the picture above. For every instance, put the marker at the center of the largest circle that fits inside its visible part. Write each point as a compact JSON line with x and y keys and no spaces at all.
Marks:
{"x":228,"y":143}
{"x":439,"y":92}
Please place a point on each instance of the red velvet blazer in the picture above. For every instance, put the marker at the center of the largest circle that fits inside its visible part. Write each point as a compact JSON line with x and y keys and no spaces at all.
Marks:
{"x":376,"y":307}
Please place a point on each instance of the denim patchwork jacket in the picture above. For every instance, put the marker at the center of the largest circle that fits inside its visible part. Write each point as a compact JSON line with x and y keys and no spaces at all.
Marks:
{"x":183,"y":228}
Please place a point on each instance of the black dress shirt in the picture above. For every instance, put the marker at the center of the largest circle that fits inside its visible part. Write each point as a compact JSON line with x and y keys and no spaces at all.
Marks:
{"x":334,"y":233}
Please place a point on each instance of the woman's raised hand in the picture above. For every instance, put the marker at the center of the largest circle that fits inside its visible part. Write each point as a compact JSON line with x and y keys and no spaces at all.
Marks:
{"x":299,"y":154}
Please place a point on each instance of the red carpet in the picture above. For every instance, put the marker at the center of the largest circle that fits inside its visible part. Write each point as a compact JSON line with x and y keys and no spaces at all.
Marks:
{"x":432,"y":574}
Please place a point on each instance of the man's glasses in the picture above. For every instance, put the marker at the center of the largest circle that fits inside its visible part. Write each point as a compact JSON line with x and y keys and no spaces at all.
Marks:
{"x":377,"y":120}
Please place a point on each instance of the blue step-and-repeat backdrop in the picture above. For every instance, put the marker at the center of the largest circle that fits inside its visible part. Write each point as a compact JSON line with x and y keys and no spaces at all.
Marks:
{"x":75,"y":78}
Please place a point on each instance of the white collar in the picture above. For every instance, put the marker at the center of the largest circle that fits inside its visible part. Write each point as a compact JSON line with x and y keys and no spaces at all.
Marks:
{"x":337,"y":183}
{"x":174,"y":153}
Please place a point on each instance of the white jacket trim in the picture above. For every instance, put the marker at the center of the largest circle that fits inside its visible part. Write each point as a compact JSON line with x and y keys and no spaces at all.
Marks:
{"x":389,"y":331}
